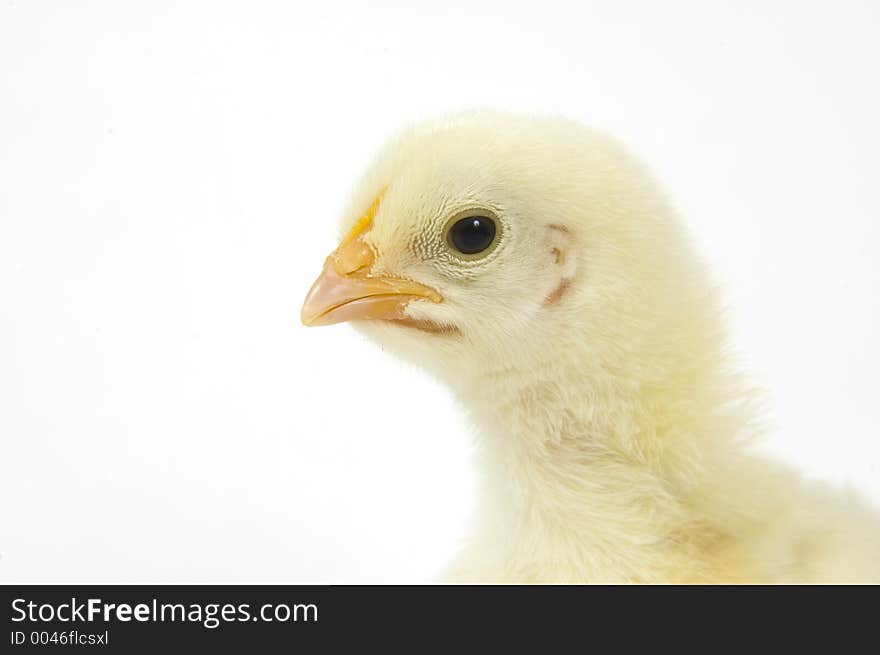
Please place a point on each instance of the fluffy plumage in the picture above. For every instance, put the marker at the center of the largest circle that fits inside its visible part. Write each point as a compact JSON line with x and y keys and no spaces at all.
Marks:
{"x":588,"y":348}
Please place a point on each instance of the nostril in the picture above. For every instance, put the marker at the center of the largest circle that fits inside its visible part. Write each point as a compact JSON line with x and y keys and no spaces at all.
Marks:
{"x":352,"y":257}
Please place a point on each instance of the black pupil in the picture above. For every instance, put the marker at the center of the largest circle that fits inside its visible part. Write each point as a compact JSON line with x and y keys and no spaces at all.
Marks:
{"x":472,"y":234}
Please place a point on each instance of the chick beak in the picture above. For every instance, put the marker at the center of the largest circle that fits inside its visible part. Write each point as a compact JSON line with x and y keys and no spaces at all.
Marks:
{"x":346,"y":291}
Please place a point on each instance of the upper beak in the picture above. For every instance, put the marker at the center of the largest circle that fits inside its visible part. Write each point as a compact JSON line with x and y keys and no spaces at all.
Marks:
{"x":346,"y":291}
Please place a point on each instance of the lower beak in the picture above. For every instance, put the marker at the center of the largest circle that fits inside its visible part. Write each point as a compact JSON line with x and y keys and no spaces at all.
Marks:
{"x":345,"y":291}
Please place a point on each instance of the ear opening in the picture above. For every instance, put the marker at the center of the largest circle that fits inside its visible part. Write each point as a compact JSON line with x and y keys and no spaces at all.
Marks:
{"x":563,"y":261}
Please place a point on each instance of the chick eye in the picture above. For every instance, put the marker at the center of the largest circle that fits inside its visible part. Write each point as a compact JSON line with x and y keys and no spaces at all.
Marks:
{"x":472,"y":234}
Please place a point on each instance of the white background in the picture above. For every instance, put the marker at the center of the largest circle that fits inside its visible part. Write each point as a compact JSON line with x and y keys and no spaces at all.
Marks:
{"x":170,"y":179}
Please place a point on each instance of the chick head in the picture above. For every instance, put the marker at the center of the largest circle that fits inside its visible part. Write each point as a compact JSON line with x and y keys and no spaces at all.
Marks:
{"x":500,"y":240}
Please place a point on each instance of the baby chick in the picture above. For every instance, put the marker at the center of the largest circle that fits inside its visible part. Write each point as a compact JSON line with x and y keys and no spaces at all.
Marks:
{"x":534,"y":266}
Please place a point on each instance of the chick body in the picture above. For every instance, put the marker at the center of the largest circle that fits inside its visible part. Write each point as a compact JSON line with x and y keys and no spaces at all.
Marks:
{"x":589,"y":349}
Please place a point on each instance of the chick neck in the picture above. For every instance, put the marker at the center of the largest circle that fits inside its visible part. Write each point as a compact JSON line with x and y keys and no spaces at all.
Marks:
{"x":590,"y":456}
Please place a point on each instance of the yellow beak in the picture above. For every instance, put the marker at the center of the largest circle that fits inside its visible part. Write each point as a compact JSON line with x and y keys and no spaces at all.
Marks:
{"x":346,"y":291}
